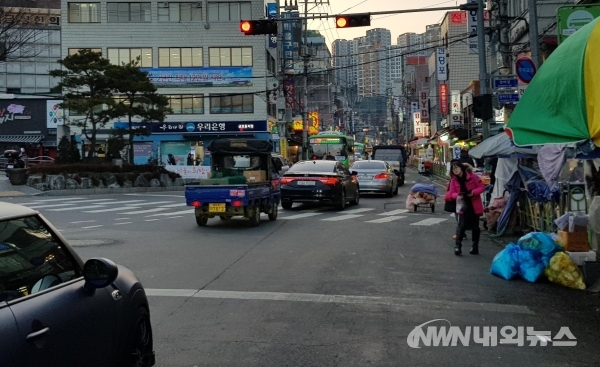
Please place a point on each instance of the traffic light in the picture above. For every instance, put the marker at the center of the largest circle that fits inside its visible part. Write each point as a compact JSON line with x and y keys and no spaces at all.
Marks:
{"x":482,"y":107}
{"x":354,"y":20}
{"x":254,"y":27}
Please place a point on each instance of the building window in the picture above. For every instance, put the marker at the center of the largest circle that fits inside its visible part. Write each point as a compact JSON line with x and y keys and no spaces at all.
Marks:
{"x":75,"y":51}
{"x":183,"y":104}
{"x":229,"y":12}
{"x":230,"y":56}
{"x":128,"y":12}
{"x":84,"y":12}
{"x":118,"y":56}
{"x":225,"y":104}
{"x":179,"y":12}
{"x":179,"y":57}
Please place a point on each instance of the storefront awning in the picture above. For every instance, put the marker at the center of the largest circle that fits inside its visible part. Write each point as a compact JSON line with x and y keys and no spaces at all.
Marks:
{"x":25,"y":139}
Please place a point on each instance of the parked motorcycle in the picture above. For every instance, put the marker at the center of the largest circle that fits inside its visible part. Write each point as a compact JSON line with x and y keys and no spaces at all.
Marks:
{"x":14,"y":159}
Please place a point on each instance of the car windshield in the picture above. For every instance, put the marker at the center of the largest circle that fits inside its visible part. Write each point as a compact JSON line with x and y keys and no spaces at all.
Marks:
{"x":28,"y":253}
{"x":388,"y":155}
{"x":321,"y":150}
{"x":368,"y":165}
{"x":310,"y":167}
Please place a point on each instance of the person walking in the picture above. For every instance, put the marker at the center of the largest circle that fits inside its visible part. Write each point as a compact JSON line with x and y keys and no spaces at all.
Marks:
{"x":466,"y":188}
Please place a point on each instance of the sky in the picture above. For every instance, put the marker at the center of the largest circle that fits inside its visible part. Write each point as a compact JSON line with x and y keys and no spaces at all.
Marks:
{"x":397,"y":23}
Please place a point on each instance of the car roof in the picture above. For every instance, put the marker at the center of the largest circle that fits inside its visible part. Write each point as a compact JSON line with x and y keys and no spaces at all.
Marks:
{"x":318,"y":161}
{"x":371,"y":160}
{"x":10,"y":210}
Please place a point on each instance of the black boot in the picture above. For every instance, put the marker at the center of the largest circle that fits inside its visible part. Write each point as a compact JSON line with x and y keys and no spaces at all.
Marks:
{"x":476,"y":234}
{"x":458,"y":249}
{"x":474,"y":249}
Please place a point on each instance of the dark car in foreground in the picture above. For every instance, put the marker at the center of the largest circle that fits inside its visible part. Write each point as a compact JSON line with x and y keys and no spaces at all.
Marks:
{"x":318,"y":181}
{"x":56,"y":310}
{"x":376,"y":176}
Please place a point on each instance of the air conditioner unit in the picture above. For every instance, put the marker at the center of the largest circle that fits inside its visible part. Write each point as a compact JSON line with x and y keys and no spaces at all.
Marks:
{"x":272,"y":83}
{"x":163,"y":5}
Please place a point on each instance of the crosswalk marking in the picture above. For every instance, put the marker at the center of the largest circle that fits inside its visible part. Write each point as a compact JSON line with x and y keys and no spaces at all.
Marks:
{"x":95,"y":201}
{"x":173,"y":205}
{"x":48,"y":200}
{"x":47,"y":206}
{"x":77,"y":208}
{"x":146,"y":211}
{"x":394,"y":212}
{"x":112,"y":209}
{"x":189,"y":211}
{"x":355,"y":211}
{"x":342,"y":217}
{"x":428,"y":222}
{"x":88,"y":227}
{"x":151,"y":203}
{"x":121,"y":223}
{"x":83,"y":221}
{"x":386,"y":219}
{"x":302,"y":215}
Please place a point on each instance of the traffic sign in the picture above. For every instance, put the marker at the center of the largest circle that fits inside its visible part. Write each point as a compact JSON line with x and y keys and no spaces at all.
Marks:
{"x":525,"y":69}
{"x":506,"y":82}
{"x":508,"y":98}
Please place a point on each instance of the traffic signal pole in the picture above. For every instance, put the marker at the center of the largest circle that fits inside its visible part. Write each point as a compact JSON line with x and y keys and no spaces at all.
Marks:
{"x":305,"y":57}
{"x":483,"y":74}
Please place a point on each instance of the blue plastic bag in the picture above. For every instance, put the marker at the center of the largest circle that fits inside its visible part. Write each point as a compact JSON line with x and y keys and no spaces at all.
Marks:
{"x":506,"y":262}
{"x":542,"y":243}
{"x":531,"y":266}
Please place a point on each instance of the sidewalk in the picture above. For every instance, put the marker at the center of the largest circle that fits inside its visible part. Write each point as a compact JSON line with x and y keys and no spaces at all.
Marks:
{"x":8,"y":190}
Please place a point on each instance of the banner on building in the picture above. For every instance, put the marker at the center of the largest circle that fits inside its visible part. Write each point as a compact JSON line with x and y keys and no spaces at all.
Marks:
{"x":444,"y":99}
{"x":271,"y":13}
{"x":456,"y":107}
{"x":289,"y":90}
{"x":442,"y":68}
{"x":289,"y":27}
{"x":424,"y":106}
{"x":472,"y":27}
{"x":421,"y":129}
{"x":54,"y":114}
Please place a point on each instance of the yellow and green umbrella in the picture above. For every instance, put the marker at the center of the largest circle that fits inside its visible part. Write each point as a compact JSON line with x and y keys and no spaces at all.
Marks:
{"x":562,"y":102}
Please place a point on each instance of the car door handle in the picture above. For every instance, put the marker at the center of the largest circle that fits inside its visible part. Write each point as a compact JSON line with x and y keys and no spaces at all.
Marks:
{"x":37,"y":334}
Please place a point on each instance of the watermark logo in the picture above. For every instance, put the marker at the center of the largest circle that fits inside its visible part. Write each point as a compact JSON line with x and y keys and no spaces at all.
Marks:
{"x":432,"y":334}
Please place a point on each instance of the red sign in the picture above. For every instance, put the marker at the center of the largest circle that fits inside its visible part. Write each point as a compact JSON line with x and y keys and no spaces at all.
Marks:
{"x":458,"y":17}
{"x":424,"y":105}
{"x":444,"y":99}
{"x":290,"y":93}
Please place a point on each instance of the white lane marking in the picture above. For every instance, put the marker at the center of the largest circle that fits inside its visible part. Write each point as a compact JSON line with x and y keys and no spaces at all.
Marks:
{"x":88,"y":227}
{"x":394,"y":212}
{"x":151,"y":220}
{"x":77,"y":208}
{"x":151,"y":203}
{"x":172,"y":196}
{"x":129,"y":201}
{"x":302,"y":215}
{"x":342,"y":217}
{"x":179,"y":216}
{"x":173,"y":205}
{"x":47,"y":206}
{"x":121,"y":223}
{"x":146,"y":211}
{"x":429,"y":222}
{"x":414,"y":303}
{"x":173,"y":213}
{"x":386,"y":219}
{"x":83,"y":221}
{"x":112,"y":209}
{"x":355,"y":211}
{"x":95,"y":201}
{"x":122,"y":218}
{"x":61,"y":199}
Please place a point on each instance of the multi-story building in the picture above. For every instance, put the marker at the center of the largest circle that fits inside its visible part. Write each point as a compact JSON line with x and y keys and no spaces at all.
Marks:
{"x":212,"y":74}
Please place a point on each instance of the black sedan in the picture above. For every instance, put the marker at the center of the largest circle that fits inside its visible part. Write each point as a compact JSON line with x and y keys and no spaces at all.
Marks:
{"x":327,"y":182}
{"x":56,"y":310}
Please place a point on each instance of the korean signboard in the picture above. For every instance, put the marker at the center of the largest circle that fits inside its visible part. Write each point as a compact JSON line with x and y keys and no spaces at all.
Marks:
{"x":442,"y":68}
{"x":444,"y":99}
{"x":289,"y":90}
{"x":570,"y":18}
{"x":421,"y":128}
{"x":456,"y":103}
{"x":424,"y":106}
{"x":54,"y":114}
{"x":199,"y":127}
{"x":472,"y":27}
{"x":289,"y":40}
{"x":204,"y":77}
{"x":271,"y":10}
{"x":32,"y":17}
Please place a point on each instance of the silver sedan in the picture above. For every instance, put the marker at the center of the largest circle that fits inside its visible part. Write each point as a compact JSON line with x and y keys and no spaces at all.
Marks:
{"x":376,"y":176}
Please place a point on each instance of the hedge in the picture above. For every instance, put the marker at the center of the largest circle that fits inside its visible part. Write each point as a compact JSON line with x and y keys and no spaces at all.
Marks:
{"x":82,"y":169}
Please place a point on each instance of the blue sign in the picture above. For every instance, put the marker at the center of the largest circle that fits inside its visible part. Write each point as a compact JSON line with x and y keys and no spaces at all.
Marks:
{"x":199,"y":127}
{"x":508,"y":98}
{"x":288,"y":41}
{"x":525,"y":69}
{"x":204,"y":77}
{"x":506,"y":83}
{"x":271,"y":9}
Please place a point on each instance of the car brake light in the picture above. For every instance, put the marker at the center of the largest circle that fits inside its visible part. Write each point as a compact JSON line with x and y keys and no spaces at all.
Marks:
{"x":329,"y":181}
{"x":196,"y":204}
{"x":237,"y":204}
{"x":381,"y":176}
{"x":286,"y":180}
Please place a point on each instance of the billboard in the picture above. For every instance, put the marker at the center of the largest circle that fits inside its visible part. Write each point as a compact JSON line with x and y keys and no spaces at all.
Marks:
{"x":570,"y":18}
{"x":234,"y":76}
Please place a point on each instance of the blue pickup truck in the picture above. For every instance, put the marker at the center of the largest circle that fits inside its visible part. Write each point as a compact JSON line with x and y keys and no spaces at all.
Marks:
{"x":244,"y":181}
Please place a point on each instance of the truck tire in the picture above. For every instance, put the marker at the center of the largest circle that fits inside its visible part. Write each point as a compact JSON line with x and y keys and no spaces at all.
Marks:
{"x":201,"y":221}
{"x":255,"y":218}
{"x":274,"y":211}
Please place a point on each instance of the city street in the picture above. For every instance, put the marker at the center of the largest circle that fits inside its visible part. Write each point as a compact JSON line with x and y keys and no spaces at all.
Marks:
{"x":319,"y":287}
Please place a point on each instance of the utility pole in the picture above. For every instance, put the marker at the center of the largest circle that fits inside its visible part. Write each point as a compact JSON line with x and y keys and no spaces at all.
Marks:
{"x":481,"y":51}
{"x":534,"y":45}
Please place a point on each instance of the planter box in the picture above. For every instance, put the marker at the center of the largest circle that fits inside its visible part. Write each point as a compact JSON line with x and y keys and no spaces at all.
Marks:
{"x":17,"y":176}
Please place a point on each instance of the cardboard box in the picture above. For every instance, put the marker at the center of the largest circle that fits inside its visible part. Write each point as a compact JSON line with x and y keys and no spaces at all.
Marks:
{"x":580,"y":257}
{"x":574,"y":241}
{"x":255,"y":176}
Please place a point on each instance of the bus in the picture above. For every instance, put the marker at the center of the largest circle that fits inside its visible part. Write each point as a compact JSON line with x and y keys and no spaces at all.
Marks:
{"x":332,"y":145}
{"x":359,"y":149}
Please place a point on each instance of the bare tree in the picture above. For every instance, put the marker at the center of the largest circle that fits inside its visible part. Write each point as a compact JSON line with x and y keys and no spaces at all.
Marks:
{"x":22,"y":27}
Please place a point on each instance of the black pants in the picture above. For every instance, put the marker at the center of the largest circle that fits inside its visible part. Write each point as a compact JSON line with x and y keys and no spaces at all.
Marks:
{"x":465,"y":222}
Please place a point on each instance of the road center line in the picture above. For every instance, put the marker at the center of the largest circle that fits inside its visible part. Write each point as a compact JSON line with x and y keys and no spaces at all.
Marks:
{"x":341,"y":299}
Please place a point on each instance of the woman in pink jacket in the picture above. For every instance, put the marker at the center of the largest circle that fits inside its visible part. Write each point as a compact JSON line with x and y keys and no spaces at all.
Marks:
{"x":466,"y":188}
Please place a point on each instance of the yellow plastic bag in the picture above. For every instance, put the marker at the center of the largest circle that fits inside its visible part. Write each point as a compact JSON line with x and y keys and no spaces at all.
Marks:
{"x":562,"y":270}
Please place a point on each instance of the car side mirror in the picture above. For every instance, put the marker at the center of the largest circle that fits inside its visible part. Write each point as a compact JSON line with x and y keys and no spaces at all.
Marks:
{"x":99,"y":273}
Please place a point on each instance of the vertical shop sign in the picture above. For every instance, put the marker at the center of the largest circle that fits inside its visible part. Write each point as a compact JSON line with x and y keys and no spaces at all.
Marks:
{"x":444,"y":99}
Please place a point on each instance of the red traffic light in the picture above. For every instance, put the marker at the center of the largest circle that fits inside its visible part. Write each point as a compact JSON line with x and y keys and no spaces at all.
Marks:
{"x":354,"y":20}
{"x":256,"y":27}
{"x":245,"y":26}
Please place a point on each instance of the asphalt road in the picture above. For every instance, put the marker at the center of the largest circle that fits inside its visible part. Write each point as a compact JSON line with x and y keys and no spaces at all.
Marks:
{"x":320,"y":288}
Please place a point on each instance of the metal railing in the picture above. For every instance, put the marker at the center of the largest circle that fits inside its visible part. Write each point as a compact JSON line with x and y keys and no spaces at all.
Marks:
{"x":43,"y":159}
